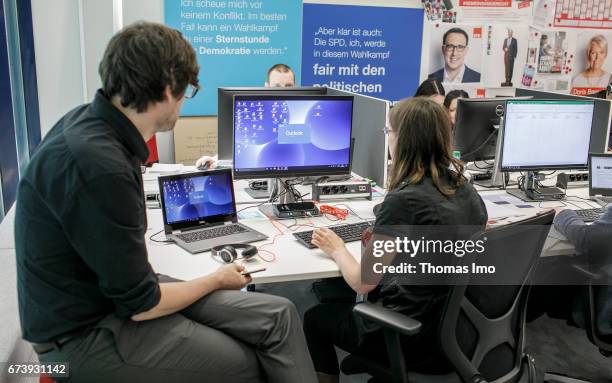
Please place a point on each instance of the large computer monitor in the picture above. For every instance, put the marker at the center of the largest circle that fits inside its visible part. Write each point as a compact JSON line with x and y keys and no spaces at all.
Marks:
{"x":545,"y":135}
{"x":225,"y":132}
{"x":291,"y":136}
{"x":476,"y":127}
{"x":601,"y":115}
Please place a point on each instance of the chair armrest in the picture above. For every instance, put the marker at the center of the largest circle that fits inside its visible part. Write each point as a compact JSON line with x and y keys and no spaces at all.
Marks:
{"x":388,"y":319}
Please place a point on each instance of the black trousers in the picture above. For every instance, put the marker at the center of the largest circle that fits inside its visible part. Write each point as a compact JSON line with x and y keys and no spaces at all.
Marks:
{"x":333,"y":324}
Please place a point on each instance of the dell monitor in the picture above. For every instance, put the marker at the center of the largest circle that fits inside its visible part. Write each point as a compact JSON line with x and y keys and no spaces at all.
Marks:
{"x":284,"y":136}
{"x":476,"y":127}
{"x":545,"y":135}
{"x":225,"y":133}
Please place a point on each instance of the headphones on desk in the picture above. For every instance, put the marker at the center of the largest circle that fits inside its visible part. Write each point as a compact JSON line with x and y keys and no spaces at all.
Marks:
{"x":229,"y":254}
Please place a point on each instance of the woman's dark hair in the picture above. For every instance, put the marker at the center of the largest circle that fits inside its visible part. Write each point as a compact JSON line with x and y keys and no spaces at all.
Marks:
{"x":424,"y":145}
{"x":453,"y":94}
{"x":430,"y":87}
{"x":142,"y":60}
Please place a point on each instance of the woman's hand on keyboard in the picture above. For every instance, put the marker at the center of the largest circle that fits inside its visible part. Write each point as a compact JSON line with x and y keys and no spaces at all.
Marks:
{"x":327,"y":241}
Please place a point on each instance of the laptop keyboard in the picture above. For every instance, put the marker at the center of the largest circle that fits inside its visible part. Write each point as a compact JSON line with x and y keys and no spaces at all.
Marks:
{"x":590,"y":215}
{"x":348,"y":233}
{"x":221,"y":231}
{"x":607,"y":200}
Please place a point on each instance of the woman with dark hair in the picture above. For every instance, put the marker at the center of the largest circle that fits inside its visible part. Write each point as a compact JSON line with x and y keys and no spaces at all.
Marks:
{"x":450,"y":102}
{"x":431,"y":88}
{"x":426,"y":187}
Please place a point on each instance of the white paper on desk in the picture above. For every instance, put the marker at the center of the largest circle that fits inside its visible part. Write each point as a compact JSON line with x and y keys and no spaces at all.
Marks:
{"x":504,"y":198}
{"x":501,"y":211}
{"x":166,"y":168}
{"x":250,"y":214}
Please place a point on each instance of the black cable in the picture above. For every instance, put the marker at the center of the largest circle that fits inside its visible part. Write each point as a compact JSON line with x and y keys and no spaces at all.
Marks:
{"x":488,"y":167}
{"x":486,"y":186}
{"x":551,"y":207}
{"x":573,"y":204}
{"x":258,"y":185}
{"x":481,"y":145}
{"x":168,"y":241}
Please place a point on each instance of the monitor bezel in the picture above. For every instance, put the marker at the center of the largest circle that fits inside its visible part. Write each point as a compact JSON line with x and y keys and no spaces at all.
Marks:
{"x":535,"y":168}
{"x":224,"y":147}
{"x":302,"y":172}
{"x":597,"y":191}
{"x":212,"y":220}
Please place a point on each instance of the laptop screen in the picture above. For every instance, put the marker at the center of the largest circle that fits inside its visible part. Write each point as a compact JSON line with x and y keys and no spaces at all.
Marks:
{"x":193,"y":198}
{"x":601,"y":172}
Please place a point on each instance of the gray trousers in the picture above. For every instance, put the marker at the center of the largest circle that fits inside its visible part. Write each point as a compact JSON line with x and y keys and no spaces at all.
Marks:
{"x":227,"y":336}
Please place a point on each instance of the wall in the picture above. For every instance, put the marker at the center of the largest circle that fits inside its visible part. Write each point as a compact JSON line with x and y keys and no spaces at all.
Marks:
{"x":97,"y":30}
{"x":58,"y":58}
{"x":70,"y":37}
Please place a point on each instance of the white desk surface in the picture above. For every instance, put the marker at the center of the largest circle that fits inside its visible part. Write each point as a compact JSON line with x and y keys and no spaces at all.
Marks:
{"x":294,"y":261}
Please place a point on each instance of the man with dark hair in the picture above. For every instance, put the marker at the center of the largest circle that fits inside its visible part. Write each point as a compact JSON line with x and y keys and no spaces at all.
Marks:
{"x":280,"y":75}
{"x":454,"y":49}
{"x":87,"y":293}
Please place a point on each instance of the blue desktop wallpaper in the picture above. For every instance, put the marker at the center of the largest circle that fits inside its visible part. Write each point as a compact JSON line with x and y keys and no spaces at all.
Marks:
{"x":273,"y":134}
{"x":195,"y":198}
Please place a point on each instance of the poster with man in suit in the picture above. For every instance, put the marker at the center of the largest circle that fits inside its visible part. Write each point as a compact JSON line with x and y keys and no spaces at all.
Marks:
{"x":450,"y":67}
{"x":510,"y":49}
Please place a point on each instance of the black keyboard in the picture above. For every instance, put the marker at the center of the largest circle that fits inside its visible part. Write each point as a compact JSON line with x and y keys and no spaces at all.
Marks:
{"x":348,"y":233}
{"x":221,"y":231}
{"x":590,"y":215}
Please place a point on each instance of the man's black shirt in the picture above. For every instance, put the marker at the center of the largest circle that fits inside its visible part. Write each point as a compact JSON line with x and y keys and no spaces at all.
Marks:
{"x":80,"y":225}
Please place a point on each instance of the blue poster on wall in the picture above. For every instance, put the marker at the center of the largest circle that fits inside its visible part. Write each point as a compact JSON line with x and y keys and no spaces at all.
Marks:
{"x":236,"y":42}
{"x":374,"y":51}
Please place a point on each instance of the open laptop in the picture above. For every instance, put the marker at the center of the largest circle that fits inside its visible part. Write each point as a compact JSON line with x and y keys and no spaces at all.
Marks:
{"x":199,"y":211}
{"x":600,"y":178}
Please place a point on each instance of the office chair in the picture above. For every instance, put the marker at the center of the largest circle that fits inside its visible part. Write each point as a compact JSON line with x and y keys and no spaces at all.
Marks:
{"x":603,"y":343}
{"x":483,"y":344}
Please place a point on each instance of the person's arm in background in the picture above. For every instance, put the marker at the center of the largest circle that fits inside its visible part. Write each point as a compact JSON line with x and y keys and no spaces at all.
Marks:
{"x":575,"y":230}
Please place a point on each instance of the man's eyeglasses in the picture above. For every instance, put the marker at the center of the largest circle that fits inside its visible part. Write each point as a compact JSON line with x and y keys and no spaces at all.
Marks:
{"x":191,"y":91}
{"x":451,"y":47}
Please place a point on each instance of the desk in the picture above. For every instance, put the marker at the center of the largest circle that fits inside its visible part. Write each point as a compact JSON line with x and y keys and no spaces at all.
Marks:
{"x":293,"y":261}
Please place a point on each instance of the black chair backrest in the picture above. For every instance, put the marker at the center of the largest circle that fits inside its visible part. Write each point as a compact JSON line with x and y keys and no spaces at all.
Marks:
{"x":481,"y":332}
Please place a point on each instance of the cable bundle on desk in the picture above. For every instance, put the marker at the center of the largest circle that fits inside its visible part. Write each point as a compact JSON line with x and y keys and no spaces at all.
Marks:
{"x":289,"y":188}
{"x":258,"y":185}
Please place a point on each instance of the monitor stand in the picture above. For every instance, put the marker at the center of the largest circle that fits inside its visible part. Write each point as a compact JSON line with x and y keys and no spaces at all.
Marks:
{"x":534,"y":192}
